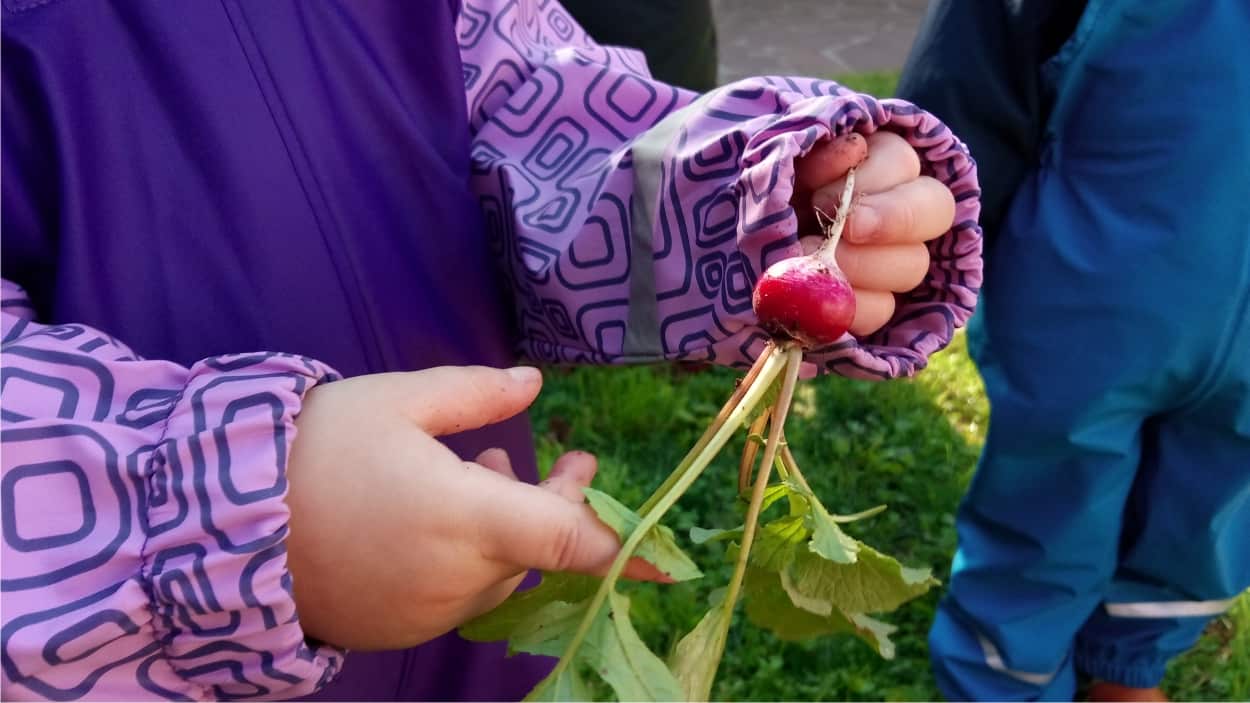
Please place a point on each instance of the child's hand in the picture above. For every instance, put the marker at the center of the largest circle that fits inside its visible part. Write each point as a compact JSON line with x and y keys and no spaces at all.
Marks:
{"x":394,"y":540}
{"x":896,"y":211}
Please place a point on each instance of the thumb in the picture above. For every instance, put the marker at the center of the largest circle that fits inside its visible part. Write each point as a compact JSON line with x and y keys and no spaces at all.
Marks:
{"x":535,"y":528}
{"x":449,"y":399}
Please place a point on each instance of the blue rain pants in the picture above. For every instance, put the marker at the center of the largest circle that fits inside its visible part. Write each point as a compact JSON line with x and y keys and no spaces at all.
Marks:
{"x":1109,"y":517}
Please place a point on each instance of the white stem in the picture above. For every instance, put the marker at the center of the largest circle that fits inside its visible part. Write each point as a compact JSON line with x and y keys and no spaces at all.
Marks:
{"x":834,"y":233}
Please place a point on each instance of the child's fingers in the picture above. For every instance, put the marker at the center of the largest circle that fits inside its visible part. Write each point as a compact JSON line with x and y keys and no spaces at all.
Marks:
{"x":891,"y":161}
{"x":527,"y":527}
{"x":449,"y":399}
{"x":916,"y":211}
{"x":496,"y":460}
{"x":872,"y":310}
{"x":829,"y":160}
{"x":570,"y":474}
{"x":888,"y":267}
{"x":564,"y":534}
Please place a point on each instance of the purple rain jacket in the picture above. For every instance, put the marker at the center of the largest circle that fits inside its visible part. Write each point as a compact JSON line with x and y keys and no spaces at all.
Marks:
{"x":211,"y":207}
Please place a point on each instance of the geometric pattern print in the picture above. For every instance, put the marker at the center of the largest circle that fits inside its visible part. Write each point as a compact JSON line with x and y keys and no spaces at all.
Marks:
{"x":556,"y":118}
{"x":144,"y":520}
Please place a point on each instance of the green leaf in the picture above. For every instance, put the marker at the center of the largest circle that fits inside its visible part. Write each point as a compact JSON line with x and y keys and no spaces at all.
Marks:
{"x":875,"y":583}
{"x":769,"y":607}
{"x":778,"y":541}
{"x":545,"y":624}
{"x":694,"y":661}
{"x":703,"y":535}
{"x":632,"y":670}
{"x":853,"y":517}
{"x":521,"y":611}
{"x":800,"y":500}
{"x":828,"y":540}
{"x":612,"y":512}
{"x":659,"y":546}
{"x":802,"y":600}
{"x":879,"y":632}
{"x":773,"y":493}
{"x":550,"y":629}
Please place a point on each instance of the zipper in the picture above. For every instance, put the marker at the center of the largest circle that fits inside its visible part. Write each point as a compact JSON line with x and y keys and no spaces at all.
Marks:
{"x":348,"y":275}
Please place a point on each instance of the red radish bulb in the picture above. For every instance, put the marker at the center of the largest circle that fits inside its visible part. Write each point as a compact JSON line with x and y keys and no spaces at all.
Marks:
{"x":807,"y":298}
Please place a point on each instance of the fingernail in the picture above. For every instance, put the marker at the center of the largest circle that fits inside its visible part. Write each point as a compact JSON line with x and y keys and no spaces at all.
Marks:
{"x":525,"y":374}
{"x":863,"y":224}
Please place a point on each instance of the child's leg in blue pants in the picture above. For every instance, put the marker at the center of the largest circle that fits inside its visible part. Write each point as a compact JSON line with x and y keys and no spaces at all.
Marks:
{"x":1109,"y":518}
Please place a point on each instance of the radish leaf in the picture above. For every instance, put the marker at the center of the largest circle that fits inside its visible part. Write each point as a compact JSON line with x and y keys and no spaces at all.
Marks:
{"x":828,"y":540}
{"x":694,"y":661}
{"x":659,"y":547}
{"x":702,"y":535}
{"x":875,"y":583}
{"x":768,"y":606}
{"x":524,"y":611}
{"x":633,"y":671}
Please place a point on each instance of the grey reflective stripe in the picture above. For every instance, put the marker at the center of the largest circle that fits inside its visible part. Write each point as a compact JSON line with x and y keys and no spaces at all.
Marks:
{"x":642,"y":328}
{"x":1170,"y":609}
{"x":994,"y":660}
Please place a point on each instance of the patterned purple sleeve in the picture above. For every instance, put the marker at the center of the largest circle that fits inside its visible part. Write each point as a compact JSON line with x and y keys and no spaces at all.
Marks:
{"x":144,"y":520}
{"x":633,"y":218}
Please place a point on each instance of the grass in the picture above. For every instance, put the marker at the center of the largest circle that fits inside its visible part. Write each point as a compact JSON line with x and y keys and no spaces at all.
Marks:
{"x":910,"y":444}
{"x":878,"y":83}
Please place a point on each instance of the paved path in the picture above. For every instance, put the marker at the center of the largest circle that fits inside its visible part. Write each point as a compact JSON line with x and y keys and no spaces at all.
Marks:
{"x":817,"y":38}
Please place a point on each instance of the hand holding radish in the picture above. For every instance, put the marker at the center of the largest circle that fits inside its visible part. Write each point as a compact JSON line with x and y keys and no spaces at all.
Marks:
{"x":808,"y":577}
{"x":394,"y":540}
{"x":896,"y":210}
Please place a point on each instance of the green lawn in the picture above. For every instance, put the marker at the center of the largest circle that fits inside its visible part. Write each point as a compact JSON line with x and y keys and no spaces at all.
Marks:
{"x":910,"y":444}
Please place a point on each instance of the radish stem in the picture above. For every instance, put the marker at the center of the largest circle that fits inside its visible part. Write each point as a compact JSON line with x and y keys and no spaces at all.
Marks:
{"x":788,"y":461}
{"x":754,"y":391}
{"x":750,"y":450}
{"x":745,"y":385}
{"x":834,"y":233}
{"x":776,"y":431}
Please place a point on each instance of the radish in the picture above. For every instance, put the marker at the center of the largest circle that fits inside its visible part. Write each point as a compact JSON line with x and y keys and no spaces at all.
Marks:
{"x":807,"y":298}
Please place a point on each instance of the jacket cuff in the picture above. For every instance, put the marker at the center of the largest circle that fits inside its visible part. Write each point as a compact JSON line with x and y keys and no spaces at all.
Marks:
{"x":926,"y":318}
{"x":214,"y":563}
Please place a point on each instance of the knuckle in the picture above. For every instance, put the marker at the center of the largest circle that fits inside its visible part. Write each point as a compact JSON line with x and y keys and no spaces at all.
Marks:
{"x":565,"y":542}
{"x":898,"y":151}
{"x":902,"y":219}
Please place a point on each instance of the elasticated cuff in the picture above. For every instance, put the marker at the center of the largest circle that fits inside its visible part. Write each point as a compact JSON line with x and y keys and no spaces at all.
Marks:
{"x":1135,"y":672}
{"x":926,"y":318}
{"x":215,"y":557}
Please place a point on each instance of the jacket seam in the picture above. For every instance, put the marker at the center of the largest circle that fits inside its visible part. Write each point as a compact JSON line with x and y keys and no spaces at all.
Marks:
{"x":332,"y":238}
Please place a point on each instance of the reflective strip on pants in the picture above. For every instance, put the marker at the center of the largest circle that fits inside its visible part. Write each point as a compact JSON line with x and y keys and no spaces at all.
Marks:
{"x":1170,"y":609}
{"x":994,"y":660}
